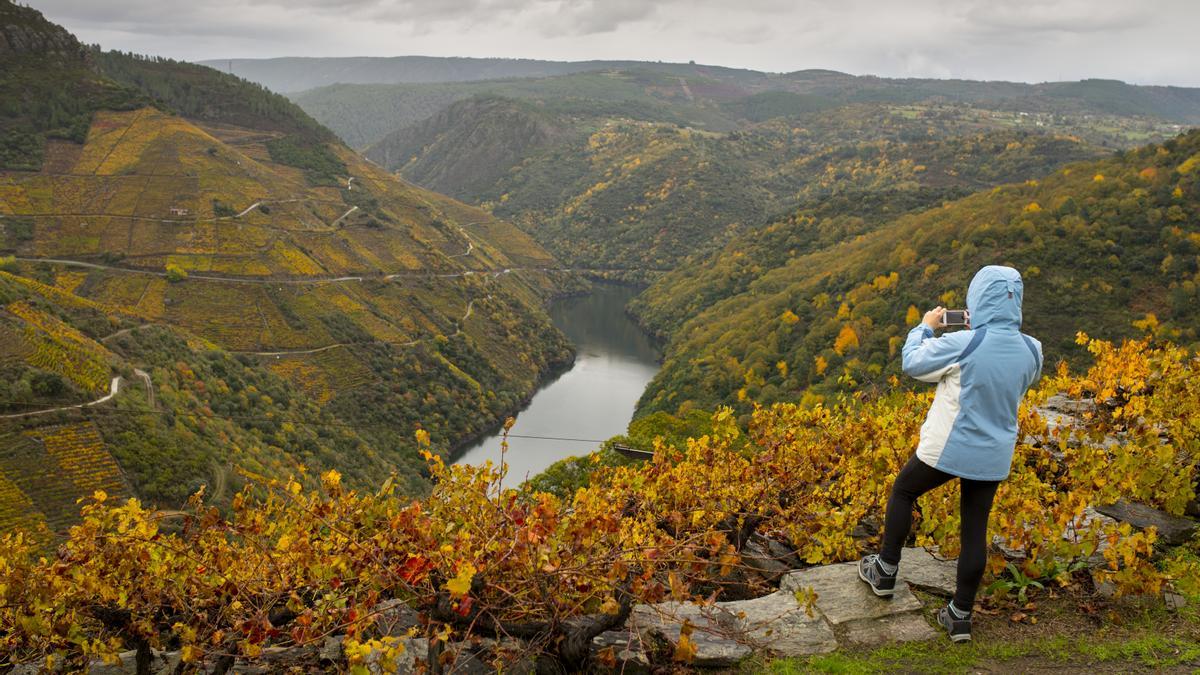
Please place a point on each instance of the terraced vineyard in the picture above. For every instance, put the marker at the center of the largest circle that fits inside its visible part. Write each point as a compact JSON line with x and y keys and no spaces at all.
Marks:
{"x":49,"y":467}
{"x":171,"y":237}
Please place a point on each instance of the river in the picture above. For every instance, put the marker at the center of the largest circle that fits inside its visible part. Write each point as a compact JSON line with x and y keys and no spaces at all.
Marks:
{"x":594,"y":400}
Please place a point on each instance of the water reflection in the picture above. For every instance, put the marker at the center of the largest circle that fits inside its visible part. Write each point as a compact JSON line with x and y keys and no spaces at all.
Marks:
{"x":595,"y":399}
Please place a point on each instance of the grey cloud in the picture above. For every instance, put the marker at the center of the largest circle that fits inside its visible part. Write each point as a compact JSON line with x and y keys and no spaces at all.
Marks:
{"x":1032,"y":40}
{"x":1071,"y":16}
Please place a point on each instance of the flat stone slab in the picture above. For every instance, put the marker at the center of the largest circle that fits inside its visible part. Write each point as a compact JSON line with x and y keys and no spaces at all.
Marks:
{"x":779,"y":623}
{"x":727,"y":632}
{"x":842,"y":596}
{"x":906,"y":627}
{"x":717,"y":633}
{"x":922,"y":570}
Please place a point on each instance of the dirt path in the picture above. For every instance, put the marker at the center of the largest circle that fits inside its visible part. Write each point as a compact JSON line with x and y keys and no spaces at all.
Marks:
{"x":113,"y":388}
{"x":343,"y":216}
{"x":149,"y":386}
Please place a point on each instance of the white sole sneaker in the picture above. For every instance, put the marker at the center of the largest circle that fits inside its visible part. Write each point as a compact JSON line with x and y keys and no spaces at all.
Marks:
{"x":883,"y":593}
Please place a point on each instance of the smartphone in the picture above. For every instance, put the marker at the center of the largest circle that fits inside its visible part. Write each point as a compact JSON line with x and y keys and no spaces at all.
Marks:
{"x":955,"y":317}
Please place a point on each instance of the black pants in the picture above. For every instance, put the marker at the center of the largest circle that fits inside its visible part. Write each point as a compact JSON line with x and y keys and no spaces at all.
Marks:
{"x":917,"y":478}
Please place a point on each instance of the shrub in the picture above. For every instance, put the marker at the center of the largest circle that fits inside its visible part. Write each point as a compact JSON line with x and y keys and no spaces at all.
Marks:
{"x":175,"y":273}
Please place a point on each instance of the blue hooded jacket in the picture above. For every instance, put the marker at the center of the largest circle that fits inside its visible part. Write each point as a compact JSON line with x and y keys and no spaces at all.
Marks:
{"x":981,"y":375}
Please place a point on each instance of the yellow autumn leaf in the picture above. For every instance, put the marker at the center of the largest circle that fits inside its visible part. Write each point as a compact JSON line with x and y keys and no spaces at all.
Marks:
{"x":460,"y":585}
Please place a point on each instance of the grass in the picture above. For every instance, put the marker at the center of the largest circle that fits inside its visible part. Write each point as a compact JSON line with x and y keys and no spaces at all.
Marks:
{"x":1125,"y":636}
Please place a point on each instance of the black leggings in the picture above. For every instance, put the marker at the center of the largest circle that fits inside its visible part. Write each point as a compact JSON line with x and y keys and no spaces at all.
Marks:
{"x":917,"y":478}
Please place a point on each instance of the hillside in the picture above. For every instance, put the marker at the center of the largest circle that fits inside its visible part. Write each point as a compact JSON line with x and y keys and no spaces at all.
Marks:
{"x":614,"y":193}
{"x":467,"y":147}
{"x":47,"y":87}
{"x":290,"y":303}
{"x":823,"y":299}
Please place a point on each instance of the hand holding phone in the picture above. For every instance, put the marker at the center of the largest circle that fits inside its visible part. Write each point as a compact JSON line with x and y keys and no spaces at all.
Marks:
{"x":955,"y":317}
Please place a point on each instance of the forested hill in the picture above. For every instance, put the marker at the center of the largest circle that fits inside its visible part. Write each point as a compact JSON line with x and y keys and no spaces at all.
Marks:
{"x":47,"y":87}
{"x":240,"y":290}
{"x":606,"y":191}
{"x":824,"y":297}
{"x":467,"y":147}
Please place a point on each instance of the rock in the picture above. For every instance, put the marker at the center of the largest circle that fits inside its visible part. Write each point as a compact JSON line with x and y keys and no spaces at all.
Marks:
{"x":1089,"y":520}
{"x":842,"y":596}
{"x":905,"y":627}
{"x":162,"y":663}
{"x":1172,"y":530}
{"x":866,"y":528}
{"x":1174,"y":601}
{"x":628,"y":649}
{"x":759,"y":558}
{"x":784,"y":553}
{"x":1014,"y":554}
{"x":332,"y":649}
{"x":416,"y":652}
{"x":727,"y":632}
{"x":778,"y":623}
{"x":1104,"y":588}
{"x":922,"y":570}
{"x":715,"y":630}
{"x":394,"y":618}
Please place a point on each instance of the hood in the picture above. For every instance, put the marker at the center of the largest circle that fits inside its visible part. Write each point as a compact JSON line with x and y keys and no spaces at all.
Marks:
{"x":994,"y":297}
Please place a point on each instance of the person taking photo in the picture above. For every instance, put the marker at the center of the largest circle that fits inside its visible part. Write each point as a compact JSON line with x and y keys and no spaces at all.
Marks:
{"x":970,"y":432}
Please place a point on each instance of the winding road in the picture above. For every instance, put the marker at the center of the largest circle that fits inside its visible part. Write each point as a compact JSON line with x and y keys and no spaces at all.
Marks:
{"x":113,"y":388}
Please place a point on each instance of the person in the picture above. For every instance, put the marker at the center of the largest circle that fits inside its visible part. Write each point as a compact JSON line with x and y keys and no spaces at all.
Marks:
{"x":969,"y":433}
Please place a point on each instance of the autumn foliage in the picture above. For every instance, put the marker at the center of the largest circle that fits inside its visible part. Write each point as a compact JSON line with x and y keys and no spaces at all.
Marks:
{"x":481,"y":556}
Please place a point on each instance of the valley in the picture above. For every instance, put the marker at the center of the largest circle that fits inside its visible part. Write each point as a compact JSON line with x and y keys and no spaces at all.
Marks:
{"x":293,"y":306}
{"x":448,"y":364}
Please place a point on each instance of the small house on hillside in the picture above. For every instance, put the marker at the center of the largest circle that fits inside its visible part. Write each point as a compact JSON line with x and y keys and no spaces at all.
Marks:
{"x":179,"y":211}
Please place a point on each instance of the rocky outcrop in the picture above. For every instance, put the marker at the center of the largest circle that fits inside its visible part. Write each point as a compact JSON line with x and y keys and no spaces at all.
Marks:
{"x":24,"y":31}
{"x":1172,"y":530}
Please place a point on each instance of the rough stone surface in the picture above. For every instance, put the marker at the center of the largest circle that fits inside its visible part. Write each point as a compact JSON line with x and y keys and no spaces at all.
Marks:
{"x":779,"y":623}
{"x":715,"y":635}
{"x":332,"y":649}
{"x":842,"y":596}
{"x":904,"y":627}
{"x":162,"y":663}
{"x":394,"y":618}
{"x":628,"y":649}
{"x":1174,"y":601}
{"x":922,"y":570}
{"x":1172,"y":530}
{"x":758,"y":557}
{"x":783,"y":553}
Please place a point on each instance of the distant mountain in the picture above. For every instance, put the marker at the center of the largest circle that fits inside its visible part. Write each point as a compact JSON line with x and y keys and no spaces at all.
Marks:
{"x":822,"y":298}
{"x":362,"y":111}
{"x":294,"y":74}
{"x":362,"y":114}
{"x":250,"y":292}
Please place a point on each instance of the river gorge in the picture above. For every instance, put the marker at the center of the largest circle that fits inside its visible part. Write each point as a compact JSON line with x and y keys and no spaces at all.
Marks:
{"x":572,"y":413}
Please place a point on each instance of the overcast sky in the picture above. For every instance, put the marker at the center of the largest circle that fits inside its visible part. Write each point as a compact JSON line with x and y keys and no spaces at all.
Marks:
{"x":1142,"y":41}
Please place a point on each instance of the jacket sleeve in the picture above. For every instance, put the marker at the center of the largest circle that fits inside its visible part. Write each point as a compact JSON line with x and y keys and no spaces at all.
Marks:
{"x":926,"y":357}
{"x":1035,"y":347}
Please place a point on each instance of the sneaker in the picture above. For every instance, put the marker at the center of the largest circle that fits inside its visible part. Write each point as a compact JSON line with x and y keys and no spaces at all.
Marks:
{"x":870,"y":571}
{"x":958,"y":629}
